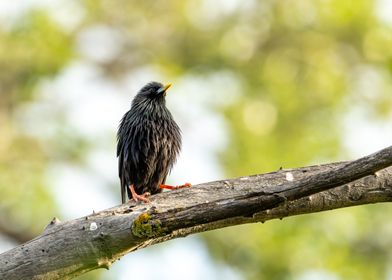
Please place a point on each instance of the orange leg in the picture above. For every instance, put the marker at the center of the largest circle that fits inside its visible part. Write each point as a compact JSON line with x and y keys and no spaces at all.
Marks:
{"x":186,"y":185}
{"x":137,"y":197}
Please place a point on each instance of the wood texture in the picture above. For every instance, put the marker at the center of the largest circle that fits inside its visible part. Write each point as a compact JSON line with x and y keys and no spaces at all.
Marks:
{"x":67,"y":249}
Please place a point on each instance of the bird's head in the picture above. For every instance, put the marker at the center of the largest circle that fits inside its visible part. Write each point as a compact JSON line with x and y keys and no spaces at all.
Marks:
{"x":154,"y":90}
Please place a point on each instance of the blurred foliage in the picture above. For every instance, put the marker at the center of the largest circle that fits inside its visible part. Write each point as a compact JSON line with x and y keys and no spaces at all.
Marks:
{"x":32,"y":49}
{"x":35,"y":48}
{"x":300,"y":66}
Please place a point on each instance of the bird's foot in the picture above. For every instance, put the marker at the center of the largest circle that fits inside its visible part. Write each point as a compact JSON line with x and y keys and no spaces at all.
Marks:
{"x":139,"y":197}
{"x":186,"y":185}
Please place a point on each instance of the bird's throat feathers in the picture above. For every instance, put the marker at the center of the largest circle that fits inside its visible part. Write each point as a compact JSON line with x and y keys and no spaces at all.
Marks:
{"x":155,"y":107}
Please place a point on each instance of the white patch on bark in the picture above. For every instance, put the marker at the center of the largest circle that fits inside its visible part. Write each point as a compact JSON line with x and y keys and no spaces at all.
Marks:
{"x":289,"y":176}
{"x":93,"y":226}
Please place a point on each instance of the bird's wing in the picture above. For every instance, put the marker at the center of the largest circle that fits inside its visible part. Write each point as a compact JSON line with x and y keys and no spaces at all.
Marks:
{"x":120,"y":173}
{"x":130,"y":151}
{"x":120,"y":154}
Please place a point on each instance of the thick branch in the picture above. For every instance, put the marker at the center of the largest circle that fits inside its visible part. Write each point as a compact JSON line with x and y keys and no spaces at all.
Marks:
{"x":71,"y":248}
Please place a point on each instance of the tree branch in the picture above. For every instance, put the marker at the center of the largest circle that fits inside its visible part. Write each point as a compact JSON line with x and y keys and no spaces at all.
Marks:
{"x":68,"y":249}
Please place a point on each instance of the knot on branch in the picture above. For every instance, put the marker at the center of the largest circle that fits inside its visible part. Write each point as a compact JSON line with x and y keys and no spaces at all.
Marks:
{"x":104,"y":263}
{"x":54,"y":222}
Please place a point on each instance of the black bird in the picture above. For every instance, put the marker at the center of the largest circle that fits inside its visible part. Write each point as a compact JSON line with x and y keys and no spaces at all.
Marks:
{"x":148,"y":142}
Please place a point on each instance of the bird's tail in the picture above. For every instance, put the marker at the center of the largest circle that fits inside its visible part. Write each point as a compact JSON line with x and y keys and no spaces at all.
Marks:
{"x":123,"y":194}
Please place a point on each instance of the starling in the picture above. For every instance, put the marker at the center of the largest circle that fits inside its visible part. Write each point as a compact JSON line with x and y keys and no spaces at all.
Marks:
{"x":148,"y":142}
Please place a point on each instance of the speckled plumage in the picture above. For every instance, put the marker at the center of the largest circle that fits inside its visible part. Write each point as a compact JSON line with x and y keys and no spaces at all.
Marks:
{"x":148,"y":142}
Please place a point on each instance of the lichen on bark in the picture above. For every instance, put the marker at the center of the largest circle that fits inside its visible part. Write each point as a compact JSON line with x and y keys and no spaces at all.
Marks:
{"x":145,"y":226}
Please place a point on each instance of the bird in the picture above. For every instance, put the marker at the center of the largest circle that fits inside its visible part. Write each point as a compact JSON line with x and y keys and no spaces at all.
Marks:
{"x":148,"y":143}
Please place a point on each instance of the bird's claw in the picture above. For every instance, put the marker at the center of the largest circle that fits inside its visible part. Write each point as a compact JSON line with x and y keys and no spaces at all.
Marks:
{"x":141,"y":197}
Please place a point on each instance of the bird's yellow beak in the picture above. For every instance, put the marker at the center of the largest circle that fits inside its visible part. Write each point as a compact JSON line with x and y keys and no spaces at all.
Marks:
{"x":167,"y":86}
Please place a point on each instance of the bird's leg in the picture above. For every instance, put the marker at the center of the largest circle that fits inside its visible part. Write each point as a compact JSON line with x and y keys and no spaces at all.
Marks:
{"x":186,"y":185}
{"x":137,"y":197}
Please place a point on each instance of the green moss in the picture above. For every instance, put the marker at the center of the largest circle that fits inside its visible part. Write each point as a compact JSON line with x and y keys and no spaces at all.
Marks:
{"x":144,"y":226}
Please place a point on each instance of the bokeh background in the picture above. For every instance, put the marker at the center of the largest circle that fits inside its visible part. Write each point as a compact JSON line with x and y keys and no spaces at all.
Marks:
{"x":257,"y":85}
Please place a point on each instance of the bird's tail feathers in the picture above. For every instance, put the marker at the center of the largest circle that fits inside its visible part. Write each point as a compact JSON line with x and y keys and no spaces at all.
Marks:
{"x":123,"y":189}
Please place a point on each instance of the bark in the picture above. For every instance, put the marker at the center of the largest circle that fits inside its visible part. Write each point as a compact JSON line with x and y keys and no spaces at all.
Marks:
{"x":65,"y":250}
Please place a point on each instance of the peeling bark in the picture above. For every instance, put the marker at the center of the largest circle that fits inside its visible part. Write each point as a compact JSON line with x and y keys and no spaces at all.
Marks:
{"x":67,"y":249}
